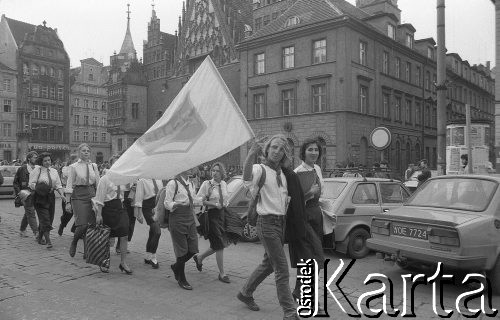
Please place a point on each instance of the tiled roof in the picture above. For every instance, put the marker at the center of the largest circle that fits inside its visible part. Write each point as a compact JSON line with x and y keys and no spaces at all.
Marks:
{"x":311,"y":12}
{"x":19,"y":29}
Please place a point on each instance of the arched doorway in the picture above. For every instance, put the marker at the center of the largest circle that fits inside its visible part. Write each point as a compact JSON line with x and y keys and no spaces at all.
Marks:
{"x":99,"y":158}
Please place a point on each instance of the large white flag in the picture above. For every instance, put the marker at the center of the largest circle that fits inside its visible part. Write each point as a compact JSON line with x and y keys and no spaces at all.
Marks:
{"x":202,"y":123}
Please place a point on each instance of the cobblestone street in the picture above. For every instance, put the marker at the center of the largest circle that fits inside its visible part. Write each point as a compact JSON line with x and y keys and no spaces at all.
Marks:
{"x":36,"y":283}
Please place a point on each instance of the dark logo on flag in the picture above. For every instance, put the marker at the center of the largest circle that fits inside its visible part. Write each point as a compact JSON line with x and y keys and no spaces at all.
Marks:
{"x":177,"y":134}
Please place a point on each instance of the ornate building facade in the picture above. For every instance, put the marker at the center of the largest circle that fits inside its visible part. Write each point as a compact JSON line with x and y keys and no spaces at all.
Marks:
{"x":8,"y":111}
{"x":127,"y":96}
{"x":42,"y":87}
{"x":89,"y":111}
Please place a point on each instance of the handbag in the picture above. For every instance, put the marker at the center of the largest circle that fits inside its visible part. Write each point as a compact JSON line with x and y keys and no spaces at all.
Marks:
{"x":97,"y":246}
{"x":161,"y":213}
{"x":204,"y":227}
{"x":252,"y":208}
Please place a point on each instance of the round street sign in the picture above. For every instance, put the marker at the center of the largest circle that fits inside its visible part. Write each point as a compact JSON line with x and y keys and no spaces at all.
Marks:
{"x":380,"y":138}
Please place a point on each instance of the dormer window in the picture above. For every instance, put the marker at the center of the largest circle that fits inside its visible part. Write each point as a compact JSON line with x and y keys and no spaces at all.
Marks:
{"x":292,"y":21}
{"x":391,"y":31}
{"x":409,"y":40}
{"x":430,"y":53}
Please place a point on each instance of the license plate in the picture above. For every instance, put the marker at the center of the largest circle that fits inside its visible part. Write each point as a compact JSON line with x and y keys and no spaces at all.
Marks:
{"x":409,"y":231}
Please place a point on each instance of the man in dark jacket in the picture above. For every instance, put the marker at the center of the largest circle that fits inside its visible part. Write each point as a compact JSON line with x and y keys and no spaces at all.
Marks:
{"x":426,"y":173}
{"x":21,"y":181}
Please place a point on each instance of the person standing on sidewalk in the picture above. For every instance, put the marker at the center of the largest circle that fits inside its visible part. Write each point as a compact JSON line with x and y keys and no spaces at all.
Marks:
{"x":180,"y":197}
{"x":21,"y":181}
{"x":271,"y":210}
{"x":214,"y":193}
{"x":81,"y":187}
{"x":66,"y":215}
{"x":44,"y":180}
{"x":144,"y":203}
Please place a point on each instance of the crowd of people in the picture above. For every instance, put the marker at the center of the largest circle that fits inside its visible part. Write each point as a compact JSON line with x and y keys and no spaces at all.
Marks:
{"x":90,"y":197}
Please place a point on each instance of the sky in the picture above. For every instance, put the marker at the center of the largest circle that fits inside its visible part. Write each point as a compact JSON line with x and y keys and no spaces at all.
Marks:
{"x":96,"y":28}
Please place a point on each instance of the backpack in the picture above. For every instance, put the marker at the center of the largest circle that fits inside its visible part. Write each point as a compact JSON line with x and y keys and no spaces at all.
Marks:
{"x":252,"y":208}
{"x":161,"y":212}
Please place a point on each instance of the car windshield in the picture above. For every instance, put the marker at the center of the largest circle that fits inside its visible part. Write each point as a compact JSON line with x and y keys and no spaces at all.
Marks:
{"x":333,"y":189}
{"x":469,"y":194}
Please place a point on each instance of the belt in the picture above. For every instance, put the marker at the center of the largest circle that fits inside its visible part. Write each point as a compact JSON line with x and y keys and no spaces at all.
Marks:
{"x":272,"y":217}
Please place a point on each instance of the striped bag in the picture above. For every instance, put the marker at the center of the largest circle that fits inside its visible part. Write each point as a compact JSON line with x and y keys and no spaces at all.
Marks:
{"x":97,"y":246}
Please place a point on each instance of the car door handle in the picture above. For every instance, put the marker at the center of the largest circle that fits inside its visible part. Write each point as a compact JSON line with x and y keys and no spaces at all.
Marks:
{"x":385,"y":210}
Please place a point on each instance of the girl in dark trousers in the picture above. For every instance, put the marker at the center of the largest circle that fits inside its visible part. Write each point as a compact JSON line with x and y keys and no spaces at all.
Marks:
{"x":45,"y":180}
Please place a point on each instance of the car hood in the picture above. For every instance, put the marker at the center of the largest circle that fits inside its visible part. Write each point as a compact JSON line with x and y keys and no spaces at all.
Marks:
{"x":448,"y":217}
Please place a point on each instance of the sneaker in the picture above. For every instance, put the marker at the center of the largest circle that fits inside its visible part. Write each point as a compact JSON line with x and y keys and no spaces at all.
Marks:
{"x":23,"y":234}
{"x":249,"y":301}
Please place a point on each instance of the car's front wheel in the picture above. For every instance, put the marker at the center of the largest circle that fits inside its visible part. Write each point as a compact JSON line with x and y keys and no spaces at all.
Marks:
{"x":357,"y":248}
{"x":249,"y":233}
{"x":494,"y":277}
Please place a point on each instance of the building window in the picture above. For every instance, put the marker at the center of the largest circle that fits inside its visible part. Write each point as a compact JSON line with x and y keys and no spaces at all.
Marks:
{"x":434,"y":117}
{"x":409,"y":40}
{"x":26,"y":69}
{"x":34,"y":70}
{"x":120,"y":144}
{"x":430,"y":53}
{"x":427,"y":80}
{"x":94,"y":104}
{"x":418,"y":113}
{"x":104,"y":122}
{"x":45,"y":93}
{"x":91,"y":77}
{"x":77,"y":119}
{"x":408,"y":112}
{"x":363,"y":99}
{"x":44,"y":112}
{"x":52,"y":91}
{"x":362,"y":52}
{"x":94,"y":121}
{"x":434,"y":81}
{"x":319,"y":97}
{"x":59,"y":74}
{"x":319,"y":51}
{"x":35,"y":112}
{"x":418,"y":76}
{"x":94,"y":136}
{"x":258,"y":24}
{"x":7,"y":105}
{"x":60,"y":93}
{"x":52,"y":112}
{"x":42,"y":70}
{"x":103,"y":137}
{"x":427,"y":116}
{"x":288,"y":101}
{"x":398,"y":68}
{"x":385,"y":62}
{"x":86,"y":103}
{"x":77,"y":102}
{"x":397,"y":109}
{"x":35,"y":90}
{"x":103,"y":106}
{"x":260,"y":63}
{"x":6,"y":84}
{"x":135,"y":110}
{"x":266,"y":20}
{"x":51,"y":72}
{"x":391,"y":31}
{"x":86,"y":120}
{"x":385,"y":106}
{"x":7,"y":130}
{"x":85,"y":136}
{"x":259,"y":105}
{"x":288,"y":57}
{"x":408,"y":72}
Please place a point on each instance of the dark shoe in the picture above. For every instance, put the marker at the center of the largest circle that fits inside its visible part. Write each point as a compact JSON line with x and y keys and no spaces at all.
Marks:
{"x":155,"y":265}
{"x":249,"y":301}
{"x":49,"y":245}
{"x":147,"y":261}
{"x":184,"y":285}
{"x":174,"y":269}
{"x":122,"y":269}
{"x":118,"y":251}
{"x":72,"y":249}
{"x":224,"y":279}
{"x":199,"y":265}
{"x":60,"y":230}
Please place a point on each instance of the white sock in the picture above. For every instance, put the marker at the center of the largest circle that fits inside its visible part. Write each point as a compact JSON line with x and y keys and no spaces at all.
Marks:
{"x":148,"y":256}
{"x":153,"y":258}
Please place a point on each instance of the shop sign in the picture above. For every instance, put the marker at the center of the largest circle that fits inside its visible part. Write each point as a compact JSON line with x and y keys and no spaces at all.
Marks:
{"x":48,"y":147}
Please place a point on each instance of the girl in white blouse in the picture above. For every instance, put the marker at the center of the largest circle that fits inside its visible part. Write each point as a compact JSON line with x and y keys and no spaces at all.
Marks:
{"x":80,"y":188}
{"x":44,"y":180}
{"x":214,"y":195}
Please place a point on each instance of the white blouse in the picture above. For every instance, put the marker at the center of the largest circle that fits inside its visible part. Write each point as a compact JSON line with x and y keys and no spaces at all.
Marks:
{"x":77,"y":175}
{"x":273,"y":199}
{"x":41,"y":174}
{"x":106,"y":191}
{"x":211,"y":187}
{"x":181,"y":197}
{"x":145,"y":190}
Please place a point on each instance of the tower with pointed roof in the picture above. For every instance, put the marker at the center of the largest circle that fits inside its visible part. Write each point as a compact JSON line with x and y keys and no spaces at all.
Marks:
{"x":127,"y":95}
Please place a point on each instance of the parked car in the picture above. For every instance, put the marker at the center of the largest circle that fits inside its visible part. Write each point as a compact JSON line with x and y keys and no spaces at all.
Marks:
{"x":350,"y":203}
{"x":450,"y":219}
{"x":7,"y":188}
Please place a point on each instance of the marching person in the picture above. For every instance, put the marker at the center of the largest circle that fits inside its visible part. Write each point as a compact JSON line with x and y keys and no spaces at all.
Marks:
{"x":144,"y":203}
{"x":128,"y":198}
{"x":81,"y":187}
{"x":66,"y":215}
{"x":21,"y":181}
{"x":111,"y":212}
{"x":44,"y":180}
{"x":214,"y":195}
{"x":271,"y":210}
{"x":180,"y":197}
